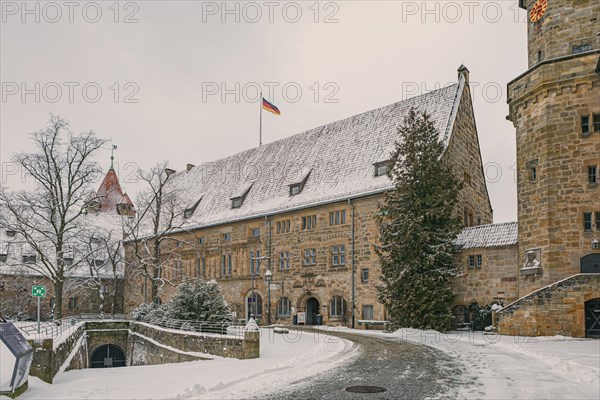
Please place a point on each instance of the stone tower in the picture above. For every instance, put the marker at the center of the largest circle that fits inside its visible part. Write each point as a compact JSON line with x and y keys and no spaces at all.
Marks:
{"x":555,"y":108}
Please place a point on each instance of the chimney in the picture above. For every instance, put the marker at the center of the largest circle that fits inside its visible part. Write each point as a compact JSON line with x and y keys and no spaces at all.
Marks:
{"x":169,"y":171}
{"x":464,"y":72}
{"x":189,"y":167}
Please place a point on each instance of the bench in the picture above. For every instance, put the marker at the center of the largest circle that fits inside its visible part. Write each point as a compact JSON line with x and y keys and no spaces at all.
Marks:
{"x":464,"y":326}
{"x":367,"y":323}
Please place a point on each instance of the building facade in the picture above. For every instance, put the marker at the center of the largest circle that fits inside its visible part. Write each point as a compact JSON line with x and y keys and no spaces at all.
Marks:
{"x":304,"y":208}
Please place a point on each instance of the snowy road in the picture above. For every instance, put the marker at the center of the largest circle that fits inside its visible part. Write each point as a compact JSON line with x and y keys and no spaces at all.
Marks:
{"x":471,"y":365}
{"x":404,"y":370}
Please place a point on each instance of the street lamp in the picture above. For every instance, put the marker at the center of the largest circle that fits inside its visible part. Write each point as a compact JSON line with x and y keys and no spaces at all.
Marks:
{"x":268,"y":279}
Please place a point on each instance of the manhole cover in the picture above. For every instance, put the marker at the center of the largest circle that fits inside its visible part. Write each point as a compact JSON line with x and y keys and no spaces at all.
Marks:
{"x":365,"y":389}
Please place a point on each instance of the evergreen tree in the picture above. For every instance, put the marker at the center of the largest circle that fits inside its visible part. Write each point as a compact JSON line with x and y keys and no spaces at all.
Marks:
{"x":198,"y":300}
{"x":418,"y":228}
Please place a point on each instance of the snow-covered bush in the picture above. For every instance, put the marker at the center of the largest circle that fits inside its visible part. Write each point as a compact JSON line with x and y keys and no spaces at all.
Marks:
{"x":147,"y":311}
{"x":481,"y":316}
{"x":198,"y":300}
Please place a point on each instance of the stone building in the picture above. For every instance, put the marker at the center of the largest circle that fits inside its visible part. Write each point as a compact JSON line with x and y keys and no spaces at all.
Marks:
{"x":304,"y":208}
{"x":20,"y":267}
{"x":555,"y":108}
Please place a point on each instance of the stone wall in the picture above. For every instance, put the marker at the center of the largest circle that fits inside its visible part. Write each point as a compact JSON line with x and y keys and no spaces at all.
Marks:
{"x":495,"y":280}
{"x":47,"y":361}
{"x":557,"y":309}
{"x":190,"y":343}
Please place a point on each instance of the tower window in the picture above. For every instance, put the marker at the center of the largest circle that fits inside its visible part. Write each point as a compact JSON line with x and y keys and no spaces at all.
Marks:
{"x":582,"y":48}
{"x":587,"y":221}
{"x":532,"y":168}
{"x":596,"y":122}
{"x":592,"y":174}
{"x":539,"y":56}
{"x":585,"y":124}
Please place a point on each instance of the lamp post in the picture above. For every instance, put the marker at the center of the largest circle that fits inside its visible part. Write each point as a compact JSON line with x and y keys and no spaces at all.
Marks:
{"x":268,"y":279}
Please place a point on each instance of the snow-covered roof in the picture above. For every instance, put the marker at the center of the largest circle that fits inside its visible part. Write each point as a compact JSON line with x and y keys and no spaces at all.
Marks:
{"x":339,"y":156}
{"x":106,"y":224}
{"x":492,"y":235}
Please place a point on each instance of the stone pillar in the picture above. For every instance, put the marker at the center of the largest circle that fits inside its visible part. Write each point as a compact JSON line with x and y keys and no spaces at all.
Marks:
{"x":251,"y":345}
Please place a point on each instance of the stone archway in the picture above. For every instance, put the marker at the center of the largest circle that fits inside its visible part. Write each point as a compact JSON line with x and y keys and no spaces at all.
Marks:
{"x":590,"y":264}
{"x":254,"y":305}
{"x":313,"y":308}
{"x":108,"y":356}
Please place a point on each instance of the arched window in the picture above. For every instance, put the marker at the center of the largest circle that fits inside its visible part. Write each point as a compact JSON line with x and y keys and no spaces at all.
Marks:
{"x":284,"y":306}
{"x":337,"y":307}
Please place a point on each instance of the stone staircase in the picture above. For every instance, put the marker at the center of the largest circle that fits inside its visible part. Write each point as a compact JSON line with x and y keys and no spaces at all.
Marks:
{"x":556,"y":309}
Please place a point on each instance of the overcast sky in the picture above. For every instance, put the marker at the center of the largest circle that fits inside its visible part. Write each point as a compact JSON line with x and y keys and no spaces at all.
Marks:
{"x":162,"y":67}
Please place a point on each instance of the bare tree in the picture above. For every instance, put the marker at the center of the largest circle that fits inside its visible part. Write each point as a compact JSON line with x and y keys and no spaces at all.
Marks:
{"x":150,"y":240}
{"x":48,"y":217}
{"x":104,"y":261}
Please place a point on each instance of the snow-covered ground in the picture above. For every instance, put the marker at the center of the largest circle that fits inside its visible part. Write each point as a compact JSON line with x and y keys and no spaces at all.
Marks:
{"x":496,"y":367}
{"x":515,"y":367}
{"x":283,"y":359}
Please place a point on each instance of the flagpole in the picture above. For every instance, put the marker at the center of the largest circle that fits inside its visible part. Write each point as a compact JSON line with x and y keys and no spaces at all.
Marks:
{"x":260,"y":121}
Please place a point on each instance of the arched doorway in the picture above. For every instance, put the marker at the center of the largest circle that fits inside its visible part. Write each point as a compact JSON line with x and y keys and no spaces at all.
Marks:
{"x":254,"y":306}
{"x":461,"y":315}
{"x":313,"y":308}
{"x":592,"y":318}
{"x":590,"y":264}
{"x":107,"y":356}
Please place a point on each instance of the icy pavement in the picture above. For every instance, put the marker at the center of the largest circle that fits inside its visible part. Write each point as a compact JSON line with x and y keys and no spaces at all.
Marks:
{"x":513,"y":367}
{"x":283,"y":359}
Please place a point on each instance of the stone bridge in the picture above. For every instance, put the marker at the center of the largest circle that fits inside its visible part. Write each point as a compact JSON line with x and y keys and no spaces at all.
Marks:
{"x":113,"y":343}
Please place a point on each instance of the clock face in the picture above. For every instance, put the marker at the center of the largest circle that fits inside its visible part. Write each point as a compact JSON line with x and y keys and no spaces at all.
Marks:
{"x":538,"y":10}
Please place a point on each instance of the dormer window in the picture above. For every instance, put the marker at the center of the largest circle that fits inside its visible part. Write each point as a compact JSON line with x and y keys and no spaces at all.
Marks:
{"x":11,"y":233}
{"x":298,"y":187}
{"x":188,"y":212}
{"x":236,"y":202}
{"x":381,"y":168}
{"x":68,"y":261}
{"x":3,"y":258}
{"x":99,"y":263}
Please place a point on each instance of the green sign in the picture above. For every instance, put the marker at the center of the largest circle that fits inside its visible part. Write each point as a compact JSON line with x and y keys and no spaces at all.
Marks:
{"x":38,"y":291}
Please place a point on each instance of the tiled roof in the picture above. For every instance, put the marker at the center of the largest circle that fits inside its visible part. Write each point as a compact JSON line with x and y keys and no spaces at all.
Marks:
{"x":110,"y":193}
{"x":339,"y":156}
{"x":492,"y":235}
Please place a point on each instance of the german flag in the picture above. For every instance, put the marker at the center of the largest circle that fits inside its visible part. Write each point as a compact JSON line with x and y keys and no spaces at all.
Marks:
{"x":270,"y":107}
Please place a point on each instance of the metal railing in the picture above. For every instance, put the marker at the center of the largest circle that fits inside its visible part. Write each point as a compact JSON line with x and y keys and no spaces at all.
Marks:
{"x":48,"y":329}
{"x":219,"y":328}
